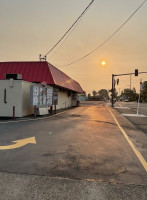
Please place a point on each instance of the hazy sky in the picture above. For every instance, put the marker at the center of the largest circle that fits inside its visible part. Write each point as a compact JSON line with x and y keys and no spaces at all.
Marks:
{"x":31,"y":27}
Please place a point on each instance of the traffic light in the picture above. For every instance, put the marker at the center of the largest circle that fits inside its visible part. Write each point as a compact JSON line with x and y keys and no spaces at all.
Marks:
{"x":117,"y":81}
{"x":136,"y":72}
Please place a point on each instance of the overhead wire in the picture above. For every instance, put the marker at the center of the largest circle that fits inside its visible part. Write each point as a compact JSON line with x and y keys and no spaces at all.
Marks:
{"x":72,"y":26}
{"x":66,"y":37}
{"x":105,"y":41}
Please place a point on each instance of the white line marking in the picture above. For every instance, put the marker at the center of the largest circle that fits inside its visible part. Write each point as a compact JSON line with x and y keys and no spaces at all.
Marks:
{"x":122,"y":107}
{"x":134,"y":115}
{"x":138,"y":154}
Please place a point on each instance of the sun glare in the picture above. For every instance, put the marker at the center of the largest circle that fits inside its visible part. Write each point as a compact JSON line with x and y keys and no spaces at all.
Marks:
{"x":103,"y":63}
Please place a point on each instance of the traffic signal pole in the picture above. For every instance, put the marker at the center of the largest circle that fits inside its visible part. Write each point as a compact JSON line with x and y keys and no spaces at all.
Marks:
{"x":112,"y":90}
{"x":113,"y":87}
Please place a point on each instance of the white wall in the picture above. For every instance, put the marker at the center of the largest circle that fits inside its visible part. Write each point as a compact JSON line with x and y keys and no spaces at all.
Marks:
{"x":19,"y":96}
{"x":13,"y":98}
{"x":63,"y":100}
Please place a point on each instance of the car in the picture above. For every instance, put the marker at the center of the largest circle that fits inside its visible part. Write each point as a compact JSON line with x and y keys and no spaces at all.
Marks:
{"x":126,"y":100}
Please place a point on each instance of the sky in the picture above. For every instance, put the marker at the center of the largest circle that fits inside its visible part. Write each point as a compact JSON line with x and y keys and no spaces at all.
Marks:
{"x":31,"y":27}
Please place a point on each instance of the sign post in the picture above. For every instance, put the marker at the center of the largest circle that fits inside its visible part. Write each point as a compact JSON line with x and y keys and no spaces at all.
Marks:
{"x":113,"y":88}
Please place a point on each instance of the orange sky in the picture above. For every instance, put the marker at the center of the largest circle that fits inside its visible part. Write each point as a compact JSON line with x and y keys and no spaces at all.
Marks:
{"x":31,"y":27}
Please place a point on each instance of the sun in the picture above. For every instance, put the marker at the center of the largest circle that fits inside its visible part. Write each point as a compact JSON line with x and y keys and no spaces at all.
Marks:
{"x":103,"y":63}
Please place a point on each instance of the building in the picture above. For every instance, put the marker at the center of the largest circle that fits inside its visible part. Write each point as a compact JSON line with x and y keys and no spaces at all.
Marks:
{"x":82,"y":97}
{"x":19,"y":80}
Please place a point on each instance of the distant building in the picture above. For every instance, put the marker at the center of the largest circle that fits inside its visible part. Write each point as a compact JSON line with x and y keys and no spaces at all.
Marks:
{"x":24,"y":85}
{"x":82,"y":97}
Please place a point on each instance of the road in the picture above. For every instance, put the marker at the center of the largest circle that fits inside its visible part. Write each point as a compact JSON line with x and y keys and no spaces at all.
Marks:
{"x":82,"y":149}
{"x":131,"y":108}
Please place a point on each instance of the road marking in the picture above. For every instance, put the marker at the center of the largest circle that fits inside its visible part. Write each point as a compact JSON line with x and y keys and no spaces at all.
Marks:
{"x":26,"y":120}
{"x":134,"y":115}
{"x":122,"y":107}
{"x":138,"y":154}
{"x":19,"y":143}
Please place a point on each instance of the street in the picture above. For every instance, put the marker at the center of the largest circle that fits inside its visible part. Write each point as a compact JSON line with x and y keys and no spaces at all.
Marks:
{"x":130,"y":110}
{"x":81,"y":144}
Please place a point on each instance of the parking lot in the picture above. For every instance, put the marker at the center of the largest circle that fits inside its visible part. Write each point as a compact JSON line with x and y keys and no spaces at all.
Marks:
{"x":86,"y":144}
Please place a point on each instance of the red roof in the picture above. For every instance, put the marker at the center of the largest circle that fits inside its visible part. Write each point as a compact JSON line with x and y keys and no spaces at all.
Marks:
{"x":39,"y":72}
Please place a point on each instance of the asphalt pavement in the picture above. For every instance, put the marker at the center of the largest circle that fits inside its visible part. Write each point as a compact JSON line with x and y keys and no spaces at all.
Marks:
{"x":129,"y":109}
{"x":78,"y":154}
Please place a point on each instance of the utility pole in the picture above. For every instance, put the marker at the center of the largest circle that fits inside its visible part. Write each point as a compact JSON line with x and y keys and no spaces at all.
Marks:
{"x":130,"y":88}
{"x":130,"y":82}
{"x":112,"y":90}
{"x":119,"y":91}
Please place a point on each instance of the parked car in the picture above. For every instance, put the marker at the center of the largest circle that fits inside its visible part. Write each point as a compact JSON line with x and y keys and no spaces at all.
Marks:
{"x":126,"y":100}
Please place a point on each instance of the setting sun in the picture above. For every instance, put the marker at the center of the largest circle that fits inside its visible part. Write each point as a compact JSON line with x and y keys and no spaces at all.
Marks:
{"x":103,"y":63}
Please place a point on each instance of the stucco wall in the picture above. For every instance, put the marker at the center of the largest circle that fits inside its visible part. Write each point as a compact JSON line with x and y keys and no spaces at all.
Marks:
{"x":18,"y":95}
{"x":64,"y":101}
{"x":13,"y":98}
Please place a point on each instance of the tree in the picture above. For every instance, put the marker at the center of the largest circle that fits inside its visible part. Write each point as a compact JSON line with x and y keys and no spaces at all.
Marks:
{"x":131,"y":95}
{"x":103,"y":94}
{"x":94,"y":93}
{"x":144,"y":91}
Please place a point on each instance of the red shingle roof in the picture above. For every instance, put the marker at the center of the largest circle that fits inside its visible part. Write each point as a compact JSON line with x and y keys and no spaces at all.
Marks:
{"x":39,"y":72}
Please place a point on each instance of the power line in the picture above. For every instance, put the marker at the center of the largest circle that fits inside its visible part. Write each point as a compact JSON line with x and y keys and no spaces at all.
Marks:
{"x":66,"y":37}
{"x":70,"y":28}
{"x":103,"y":43}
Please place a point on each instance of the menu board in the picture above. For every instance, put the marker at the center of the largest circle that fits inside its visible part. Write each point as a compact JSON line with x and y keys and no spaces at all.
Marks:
{"x":49,"y":96}
{"x":44,"y":96}
{"x":34,"y":95}
{"x":41,"y":96}
{"x":55,"y":96}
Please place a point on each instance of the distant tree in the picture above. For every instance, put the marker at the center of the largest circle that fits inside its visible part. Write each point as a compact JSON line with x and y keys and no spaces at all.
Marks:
{"x":103,"y":94}
{"x":131,"y":95}
{"x":144,"y":91}
{"x":94,"y":93}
